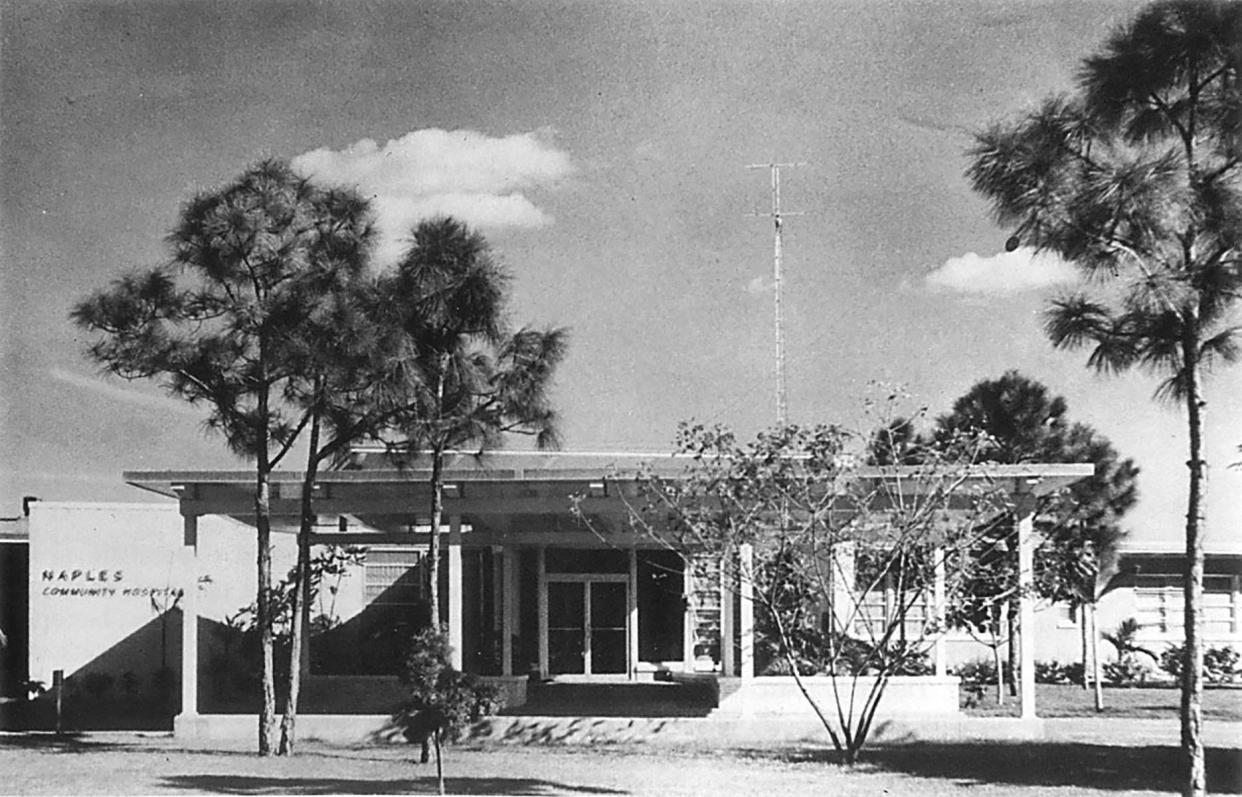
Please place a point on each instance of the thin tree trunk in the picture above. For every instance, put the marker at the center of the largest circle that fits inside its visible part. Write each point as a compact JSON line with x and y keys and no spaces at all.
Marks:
{"x":437,"y":505}
{"x":1192,"y":665}
{"x":433,"y":539}
{"x":263,"y":523}
{"x":1096,"y":680}
{"x":1014,"y":647}
{"x":300,"y":610}
{"x":1082,"y":630}
{"x":435,"y":735}
{"x":996,"y":656}
{"x":263,"y":528}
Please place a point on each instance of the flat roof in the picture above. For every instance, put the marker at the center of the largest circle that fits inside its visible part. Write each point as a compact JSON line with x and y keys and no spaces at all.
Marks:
{"x":374,"y":466}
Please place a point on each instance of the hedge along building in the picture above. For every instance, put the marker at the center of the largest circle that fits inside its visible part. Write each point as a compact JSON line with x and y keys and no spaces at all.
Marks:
{"x":527,"y":587}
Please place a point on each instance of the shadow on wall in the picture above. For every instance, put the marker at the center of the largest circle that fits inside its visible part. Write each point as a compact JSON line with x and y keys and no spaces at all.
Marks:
{"x":133,"y":685}
{"x":136,"y":685}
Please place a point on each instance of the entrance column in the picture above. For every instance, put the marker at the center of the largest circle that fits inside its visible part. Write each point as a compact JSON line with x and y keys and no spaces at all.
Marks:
{"x":726,"y":616}
{"x":631,"y":625}
{"x":1025,"y":510}
{"x":746,"y":625}
{"x":189,"y":618}
{"x":688,"y":616}
{"x":938,"y":607}
{"x":542,"y":564}
{"x":498,"y":592}
{"x":509,"y":610}
{"x":455,"y":635}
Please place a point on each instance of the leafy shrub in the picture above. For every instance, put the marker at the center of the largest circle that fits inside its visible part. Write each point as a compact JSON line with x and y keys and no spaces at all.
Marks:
{"x":980,"y":672}
{"x":1171,"y":660}
{"x":1129,"y":669}
{"x":442,"y":699}
{"x":1053,"y":672}
{"x":1221,"y":665}
{"x":1074,"y":673}
{"x":852,"y":657}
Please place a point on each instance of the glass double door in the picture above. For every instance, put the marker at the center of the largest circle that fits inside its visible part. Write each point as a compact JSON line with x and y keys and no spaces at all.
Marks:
{"x":587,"y":625}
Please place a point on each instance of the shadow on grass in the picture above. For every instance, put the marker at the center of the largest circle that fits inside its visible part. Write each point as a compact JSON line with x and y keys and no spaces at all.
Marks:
{"x":1088,"y":766}
{"x":59,"y":743}
{"x":250,"y":784}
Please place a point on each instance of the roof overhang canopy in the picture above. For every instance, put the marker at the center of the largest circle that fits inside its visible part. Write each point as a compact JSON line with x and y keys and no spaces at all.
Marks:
{"x":504,"y":483}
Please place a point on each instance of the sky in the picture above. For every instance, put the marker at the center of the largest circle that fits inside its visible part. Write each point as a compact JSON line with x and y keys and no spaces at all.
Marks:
{"x":603,"y":149}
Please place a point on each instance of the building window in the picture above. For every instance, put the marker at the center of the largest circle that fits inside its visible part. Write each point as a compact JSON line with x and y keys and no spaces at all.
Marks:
{"x":1067,"y":615}
{"x":393,"y":576}
{"x":876,"y":610}
{"x":1161,"y":606}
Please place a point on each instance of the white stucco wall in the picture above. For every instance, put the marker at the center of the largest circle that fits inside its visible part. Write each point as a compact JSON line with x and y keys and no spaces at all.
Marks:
{"x":101,"y":575}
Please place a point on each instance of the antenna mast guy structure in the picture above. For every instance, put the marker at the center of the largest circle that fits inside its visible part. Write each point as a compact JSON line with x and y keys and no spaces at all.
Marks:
{"x":776,"y":215}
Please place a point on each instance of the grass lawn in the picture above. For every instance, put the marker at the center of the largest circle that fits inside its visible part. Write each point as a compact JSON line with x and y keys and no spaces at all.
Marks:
{"x":1063,"y":700}
{"x":124,"y":764}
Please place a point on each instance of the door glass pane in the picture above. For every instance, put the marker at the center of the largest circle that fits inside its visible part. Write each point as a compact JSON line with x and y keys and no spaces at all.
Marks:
{"x":566,"y":606}
{"x":566,"y":628}
{"x":607,"y":652}
{"x":608,"y":609}
{"x":660,"y":606}
{"x":608,"y":639}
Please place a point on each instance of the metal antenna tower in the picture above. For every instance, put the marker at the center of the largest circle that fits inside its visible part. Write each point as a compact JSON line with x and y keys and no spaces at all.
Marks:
{"x":777,"y":214}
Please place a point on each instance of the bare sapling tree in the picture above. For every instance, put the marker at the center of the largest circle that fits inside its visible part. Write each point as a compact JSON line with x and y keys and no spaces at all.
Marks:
{"x":849,"y":558}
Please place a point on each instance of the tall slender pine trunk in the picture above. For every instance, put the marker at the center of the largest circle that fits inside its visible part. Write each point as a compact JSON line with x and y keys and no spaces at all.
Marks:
{"x":263,"y":527}
{"x":1014,"y":647}
{"x":263,"y":523}
{"x":300,"y":610}
{"x":1192,"y":588}
{"x":437,"y":502}
{"x":433,"y":539}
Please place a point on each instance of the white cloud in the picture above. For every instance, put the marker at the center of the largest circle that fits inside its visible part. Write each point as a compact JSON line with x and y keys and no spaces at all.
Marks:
{"x":1002,"y":274}
{"x":112,"y":391}
{"x":472,"y":176}
{"x":758,"y":286}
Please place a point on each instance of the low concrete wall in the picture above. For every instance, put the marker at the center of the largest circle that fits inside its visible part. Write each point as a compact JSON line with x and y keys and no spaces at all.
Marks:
{"x":904,"y":696}
{"x":512,"y":688}
{"x":712,"y":732}
{"x":379,"y":694}
{"x":338,"y":728}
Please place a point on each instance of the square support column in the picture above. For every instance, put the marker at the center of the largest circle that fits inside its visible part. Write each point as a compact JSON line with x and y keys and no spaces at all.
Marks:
{"x":189,"y":617}
{"x":688,"y":616}
{"x":455,"y":635}
{"x":498,"y":590}
{"x":542,"y":564}
{"x":746,"y":622}
{"x":728,"y":667}
{"x":1025,"y":510}
{"x":508,"y":608}
{"x":938,"y":606}
{"x":631,"y":624}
